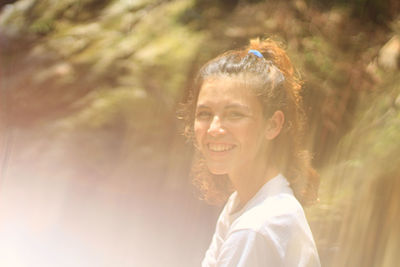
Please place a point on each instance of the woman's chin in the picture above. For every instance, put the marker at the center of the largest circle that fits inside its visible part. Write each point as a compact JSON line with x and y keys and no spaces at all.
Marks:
{"x":217,"y":170}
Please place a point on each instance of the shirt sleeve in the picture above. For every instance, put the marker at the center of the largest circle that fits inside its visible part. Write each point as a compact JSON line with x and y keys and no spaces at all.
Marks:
{"x":248,"y":248}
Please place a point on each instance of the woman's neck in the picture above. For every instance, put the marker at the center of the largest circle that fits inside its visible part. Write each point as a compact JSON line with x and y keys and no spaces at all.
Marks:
{"x":247,"y":182}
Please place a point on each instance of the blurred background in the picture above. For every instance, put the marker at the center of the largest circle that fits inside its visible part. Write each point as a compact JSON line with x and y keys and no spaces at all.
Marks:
{"x":94,"y":170}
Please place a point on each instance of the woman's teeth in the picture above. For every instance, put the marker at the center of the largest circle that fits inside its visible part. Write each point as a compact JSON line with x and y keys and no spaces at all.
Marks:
{"x":220,"y":147}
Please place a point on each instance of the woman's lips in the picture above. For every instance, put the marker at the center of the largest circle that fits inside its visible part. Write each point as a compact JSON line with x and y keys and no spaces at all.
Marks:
{"x":220,"y":147}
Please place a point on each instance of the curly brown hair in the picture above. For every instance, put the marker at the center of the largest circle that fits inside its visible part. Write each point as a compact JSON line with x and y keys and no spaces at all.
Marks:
{"x":277,"y":89}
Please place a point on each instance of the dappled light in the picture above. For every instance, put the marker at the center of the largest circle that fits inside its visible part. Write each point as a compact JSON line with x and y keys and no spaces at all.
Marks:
{"x":94,"y":166}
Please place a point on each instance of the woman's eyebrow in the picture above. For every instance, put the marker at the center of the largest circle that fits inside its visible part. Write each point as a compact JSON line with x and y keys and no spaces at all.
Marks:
{"x":202,"y":106}
{"x":230,"y":106}
{"x":237,"y":105}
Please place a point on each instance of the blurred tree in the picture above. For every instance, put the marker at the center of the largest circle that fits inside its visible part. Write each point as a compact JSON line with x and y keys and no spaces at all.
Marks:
{"x":98,"y":83}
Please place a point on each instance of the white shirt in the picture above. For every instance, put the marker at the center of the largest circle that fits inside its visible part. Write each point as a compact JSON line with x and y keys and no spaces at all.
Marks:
{"x":270,"y":230}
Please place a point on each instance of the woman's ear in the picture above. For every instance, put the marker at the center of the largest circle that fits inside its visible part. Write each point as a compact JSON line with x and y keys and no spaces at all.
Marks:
{"x":274,"y":125}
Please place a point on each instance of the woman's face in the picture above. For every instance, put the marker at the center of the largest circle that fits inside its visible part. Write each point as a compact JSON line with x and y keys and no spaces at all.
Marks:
{"x":229,"y":125}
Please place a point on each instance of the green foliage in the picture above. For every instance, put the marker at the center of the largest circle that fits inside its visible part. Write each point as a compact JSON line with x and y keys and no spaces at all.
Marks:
{"x":377,"y":10}
{"x":379,"y":124}
{"x":357,"y":182}
{"x":42,"y":26}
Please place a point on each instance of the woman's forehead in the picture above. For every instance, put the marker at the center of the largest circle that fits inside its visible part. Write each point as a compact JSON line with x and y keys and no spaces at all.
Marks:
{"x":227,"y":91}
{"x":246,"y":80}
{"x":223,"y":86}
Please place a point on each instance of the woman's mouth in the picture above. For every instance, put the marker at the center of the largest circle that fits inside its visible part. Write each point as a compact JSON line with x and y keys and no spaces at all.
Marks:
{"x":220,"y":147}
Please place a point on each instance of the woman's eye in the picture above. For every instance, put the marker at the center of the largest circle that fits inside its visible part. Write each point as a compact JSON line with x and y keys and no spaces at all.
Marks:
{"x":203,"y":115}
{"x":235,"y":115}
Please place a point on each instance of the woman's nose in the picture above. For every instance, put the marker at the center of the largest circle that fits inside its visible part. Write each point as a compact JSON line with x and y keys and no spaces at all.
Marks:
{"x":216,"y":127}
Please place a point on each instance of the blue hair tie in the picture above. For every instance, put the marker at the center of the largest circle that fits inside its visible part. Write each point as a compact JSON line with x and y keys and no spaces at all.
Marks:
{"x":256,"y":53}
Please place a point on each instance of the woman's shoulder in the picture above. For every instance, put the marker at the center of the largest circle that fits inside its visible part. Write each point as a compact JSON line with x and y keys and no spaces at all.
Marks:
{"x":278,"y":211}
{"x":279,"y":222}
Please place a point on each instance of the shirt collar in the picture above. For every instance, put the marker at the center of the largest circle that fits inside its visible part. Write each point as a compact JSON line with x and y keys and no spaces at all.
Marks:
{"x":274,"y":186}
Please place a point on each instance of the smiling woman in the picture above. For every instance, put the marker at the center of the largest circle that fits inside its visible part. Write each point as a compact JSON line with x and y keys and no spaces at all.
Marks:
{"x":229,"y":126}
{"x":245,"y":118}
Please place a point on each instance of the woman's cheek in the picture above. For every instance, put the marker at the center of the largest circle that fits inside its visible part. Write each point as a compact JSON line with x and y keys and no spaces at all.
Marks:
{"x":198,"y":133}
